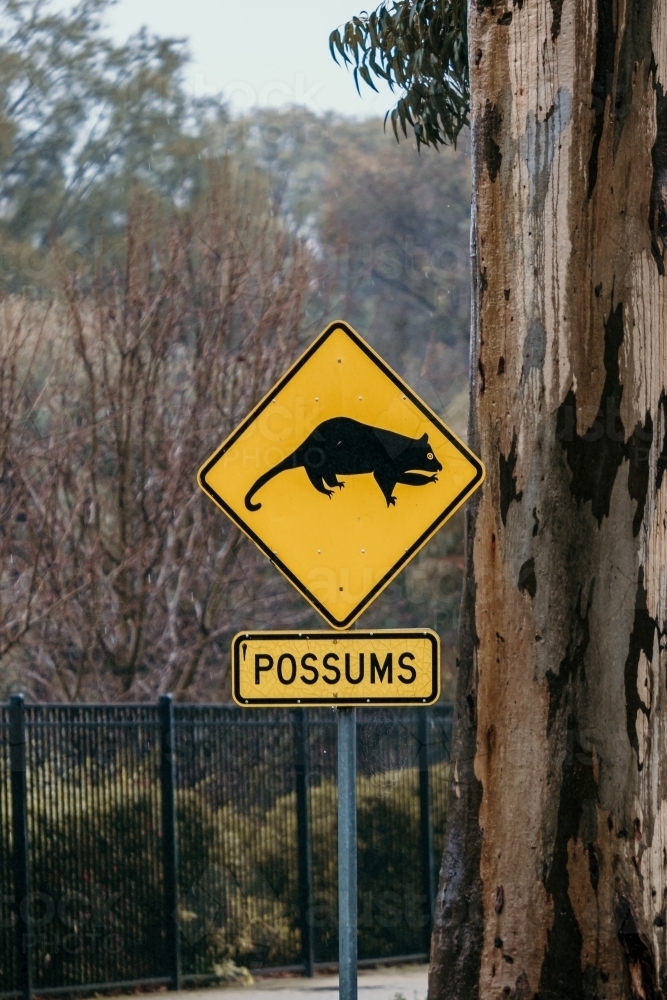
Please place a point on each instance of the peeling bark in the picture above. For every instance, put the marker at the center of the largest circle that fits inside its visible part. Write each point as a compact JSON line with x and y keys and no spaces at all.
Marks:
{"x":554,"y":879}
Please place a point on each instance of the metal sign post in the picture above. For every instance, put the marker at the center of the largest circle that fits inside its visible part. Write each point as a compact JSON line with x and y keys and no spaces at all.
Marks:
{"x":347,"y":853}
{"x":340,"y":475}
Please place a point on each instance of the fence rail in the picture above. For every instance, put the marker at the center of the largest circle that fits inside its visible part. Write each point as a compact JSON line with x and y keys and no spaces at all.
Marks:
{"x":167,"y":843}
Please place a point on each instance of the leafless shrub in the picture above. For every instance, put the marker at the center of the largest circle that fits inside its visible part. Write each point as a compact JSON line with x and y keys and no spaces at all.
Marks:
{"x":119,"y":579}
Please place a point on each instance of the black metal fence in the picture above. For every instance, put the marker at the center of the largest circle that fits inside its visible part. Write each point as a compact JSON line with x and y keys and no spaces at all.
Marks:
{"x":164,"y":844}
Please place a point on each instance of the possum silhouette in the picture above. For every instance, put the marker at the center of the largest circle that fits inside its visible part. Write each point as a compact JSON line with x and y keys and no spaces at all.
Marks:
{"x":344,"y":447}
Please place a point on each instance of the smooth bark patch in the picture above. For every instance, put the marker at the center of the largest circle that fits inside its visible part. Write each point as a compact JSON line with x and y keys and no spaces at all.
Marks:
{"x":662,"y":457}
{"x":641,"y":641}
{"x":508,"y":491}
{"x":573,"y":663}
{"x":595,"y":456}
{"x":658,"y":204}
{"x":638,"y":452}
{"x":614,"y":82}
{"x":491,"y":126}
{"x":522,"y":990}
{"x":593,"y":865}
{"x":635,"y":50}
{"x":557,"y":11}
{"x":539,"y":145}
{"x":603,"y":77}
{"x":638,"y":954}
{"x":527,"y":579}
{"x":534,"y":349}
{"x":561,"y":974}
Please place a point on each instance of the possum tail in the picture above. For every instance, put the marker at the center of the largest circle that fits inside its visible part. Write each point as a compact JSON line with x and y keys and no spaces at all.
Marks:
{"x":287,"y":463}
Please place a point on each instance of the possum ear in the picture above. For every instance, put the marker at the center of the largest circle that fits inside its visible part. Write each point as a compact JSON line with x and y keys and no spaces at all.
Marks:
{"x":424,"y":438}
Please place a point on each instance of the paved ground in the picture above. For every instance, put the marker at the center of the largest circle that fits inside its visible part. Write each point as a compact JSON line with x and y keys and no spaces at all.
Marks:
{"x":406,"y":982}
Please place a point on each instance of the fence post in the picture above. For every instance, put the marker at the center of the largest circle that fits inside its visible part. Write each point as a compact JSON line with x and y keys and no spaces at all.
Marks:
{"x":426,"y":828}
{"x":17,"y":763}
{"x":304,"y":848}
{"x":169,"y":844}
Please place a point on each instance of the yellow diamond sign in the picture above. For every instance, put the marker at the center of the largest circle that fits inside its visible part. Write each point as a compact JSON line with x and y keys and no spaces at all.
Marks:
{"x":340,"y":475}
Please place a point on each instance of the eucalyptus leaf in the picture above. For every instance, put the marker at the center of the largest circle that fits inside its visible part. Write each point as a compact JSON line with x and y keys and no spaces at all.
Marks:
{"x":421,"y":47}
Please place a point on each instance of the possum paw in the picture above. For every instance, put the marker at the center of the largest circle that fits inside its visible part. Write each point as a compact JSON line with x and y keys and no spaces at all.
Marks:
{"x":391,"y":502}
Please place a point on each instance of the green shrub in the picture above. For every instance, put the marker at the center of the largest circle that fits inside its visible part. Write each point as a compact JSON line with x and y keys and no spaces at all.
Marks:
{"x":97,"y":875}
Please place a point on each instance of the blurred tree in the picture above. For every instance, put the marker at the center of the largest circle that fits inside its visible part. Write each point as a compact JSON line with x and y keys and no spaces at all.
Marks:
{"x":391,"y":228}
{"x":120,"y":579}
{"x":81,"y":121}
{"x":395,"y":232}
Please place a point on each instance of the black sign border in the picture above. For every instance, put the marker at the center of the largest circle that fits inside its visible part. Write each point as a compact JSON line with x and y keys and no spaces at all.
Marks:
{"x":313,"y":636}
{"x":414,"y":548}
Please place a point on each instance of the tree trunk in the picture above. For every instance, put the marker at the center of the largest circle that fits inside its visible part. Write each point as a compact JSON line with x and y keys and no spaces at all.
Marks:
{"x":554,"y":878}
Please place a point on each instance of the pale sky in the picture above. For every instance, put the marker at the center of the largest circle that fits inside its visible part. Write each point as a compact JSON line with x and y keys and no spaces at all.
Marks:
{"x":258,"y":53}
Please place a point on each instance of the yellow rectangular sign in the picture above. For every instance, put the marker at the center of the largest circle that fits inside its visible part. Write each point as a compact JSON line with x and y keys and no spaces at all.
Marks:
{"x":278,"y":669}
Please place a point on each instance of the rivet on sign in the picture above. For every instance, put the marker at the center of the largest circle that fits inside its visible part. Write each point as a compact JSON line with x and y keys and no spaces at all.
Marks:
{"x":370,"y":633}
{"x":298,"y":701}
{"x":300,"y":634}
{"x":361,"y":397}
{"x":246,"y":700}
{"x":317,"y":399}
{"x":405,"y":397}
{"x":247,"y":636}
{"x":368,"y":699}
{"x":319,"y":552}
{"x":363,"y":550}
{"x":423,"y":699}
